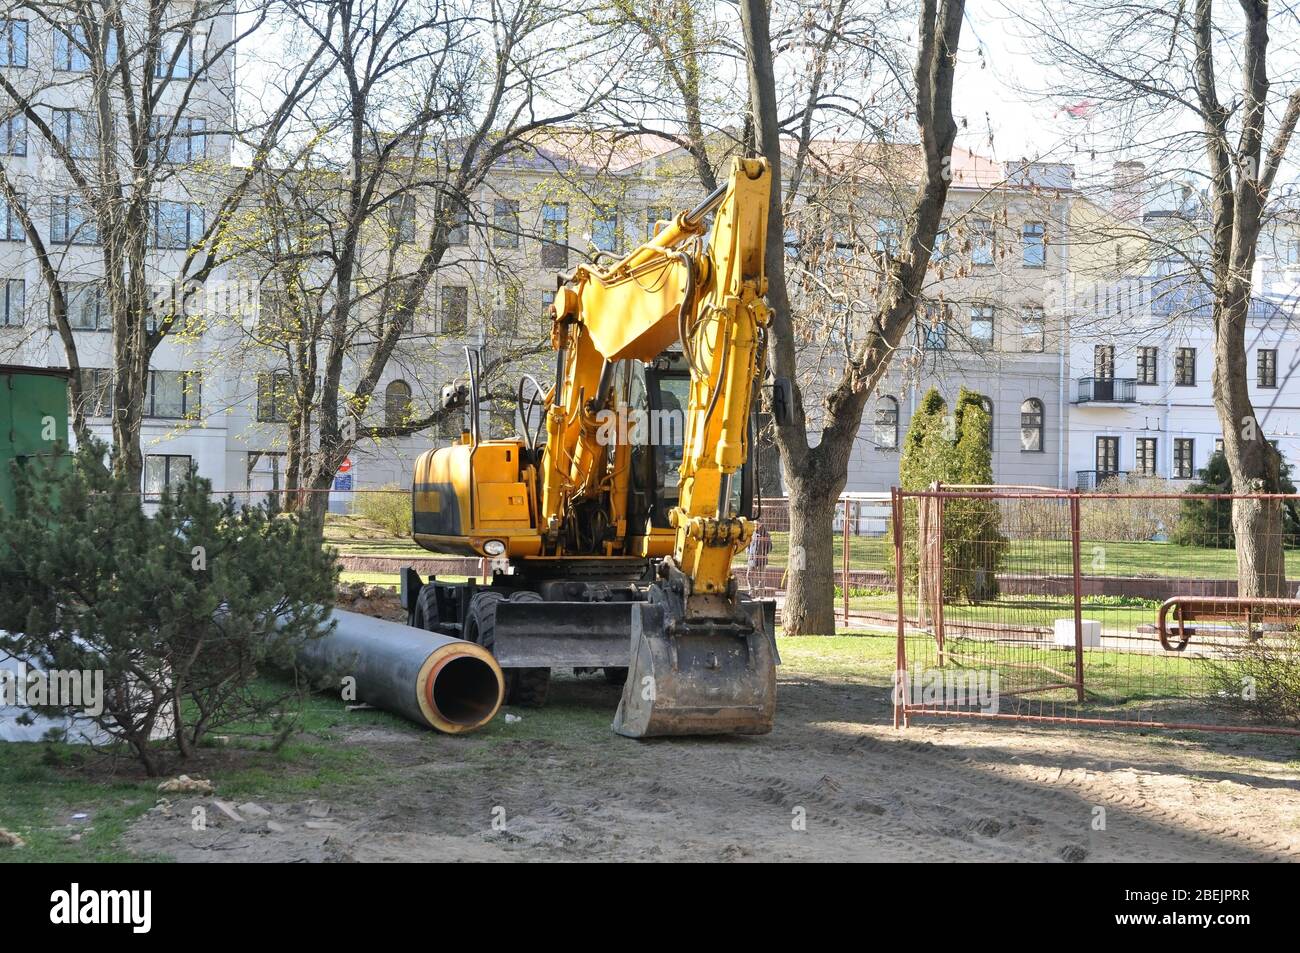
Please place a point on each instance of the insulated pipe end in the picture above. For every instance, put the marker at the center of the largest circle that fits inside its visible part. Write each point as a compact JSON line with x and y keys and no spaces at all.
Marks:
{"x":460,"y":688}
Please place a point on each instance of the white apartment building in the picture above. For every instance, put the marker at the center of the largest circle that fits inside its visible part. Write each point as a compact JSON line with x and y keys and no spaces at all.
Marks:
{"x":1141,"y":356}
{"x":51,"y":67}
{"x":1141,"y":400}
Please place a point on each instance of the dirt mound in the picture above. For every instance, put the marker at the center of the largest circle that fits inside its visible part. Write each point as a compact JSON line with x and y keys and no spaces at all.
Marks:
{"x":378,"y":601}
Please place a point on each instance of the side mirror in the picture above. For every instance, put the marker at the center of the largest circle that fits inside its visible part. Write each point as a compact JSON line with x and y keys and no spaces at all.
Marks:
{"x":780,"y":401}
{"x":454,"y":396}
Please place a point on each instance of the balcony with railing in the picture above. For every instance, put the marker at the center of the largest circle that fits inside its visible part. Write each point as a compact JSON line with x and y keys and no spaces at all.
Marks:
{"x":1107,"y":390}
{"x":1087,"y":480}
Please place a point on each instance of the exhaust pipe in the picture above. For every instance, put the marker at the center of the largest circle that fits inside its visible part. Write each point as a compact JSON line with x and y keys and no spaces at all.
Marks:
{"x":433,"y":680}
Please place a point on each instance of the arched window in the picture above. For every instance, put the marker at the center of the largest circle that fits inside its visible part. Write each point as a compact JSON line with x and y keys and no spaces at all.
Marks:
{"x":397,"y":403}
{"x":886,"y":423}
{"x":987,"y":404}
{"x":1031,"y":425}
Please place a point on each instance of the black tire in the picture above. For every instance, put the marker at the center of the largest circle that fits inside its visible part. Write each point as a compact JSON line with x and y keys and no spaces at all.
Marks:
{"x":425,"y":614}
{"x":530,"y":685}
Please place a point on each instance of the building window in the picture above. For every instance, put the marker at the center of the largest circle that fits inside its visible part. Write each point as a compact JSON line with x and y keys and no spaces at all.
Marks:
{"x":981,"y":249}
{"x":1033,"y":329}
{"x":555,"y":235}
{"x":70,"y":50}
{"x":505,"y":309}
{"x":265,"y":470}
{"x":397,"y":403}
{"x":548,"y":299}
{"x":74,"y":131}
{"x":96,"y":391}
{"x":13,"y":135}
{"x":70,"y":224}
{"x":1103,"y":361}
{"x":176,"y":59}
{"x":180,"y":141}
{"x":458,"y":229}
{"x":1107,"y":458}
{"x":274,"y":397}
{"x":454,"y":306}
{"x":604,"y":232}
{"x":1184,"y":448}
{"x":887,"y":237}
{"x":653,"y":216}
{"x":87,"y":309}
{"x":165,"y":471}
{"x":1146,"y":456}
{"x":936,"y":336}
{"x":1147,"y":364}
{"x":173,"y":394}
{"x":1266,"y":367}
{"x":981,"y":327}
{"x":13,"y":43}
{"x":1185,"y":367}
{"x":886,"y":423}
{"x":175,"y":225}
{"x":401,"y":219}
{"x":1034,"y":244}
{"x":12,"y":225}
{"x":940,"y":251}
{"x":986,"y":404}
{"x":505,"y":223}
{"x":14,"y":306}
{"x":1031,"y":425}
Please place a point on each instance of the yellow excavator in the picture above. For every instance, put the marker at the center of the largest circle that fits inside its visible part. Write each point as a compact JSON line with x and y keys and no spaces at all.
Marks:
{"x":613,"y":522}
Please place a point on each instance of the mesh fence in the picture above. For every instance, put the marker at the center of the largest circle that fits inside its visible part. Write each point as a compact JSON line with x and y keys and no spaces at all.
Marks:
{"x":863,"y":563}
{"x":1122,"y":609}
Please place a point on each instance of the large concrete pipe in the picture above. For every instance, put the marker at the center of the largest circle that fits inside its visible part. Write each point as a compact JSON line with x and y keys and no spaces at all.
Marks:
{"x":435,"y":680}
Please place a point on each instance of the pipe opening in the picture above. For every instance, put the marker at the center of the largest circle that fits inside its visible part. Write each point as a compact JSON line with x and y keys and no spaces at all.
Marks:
{"x":465,"y":690}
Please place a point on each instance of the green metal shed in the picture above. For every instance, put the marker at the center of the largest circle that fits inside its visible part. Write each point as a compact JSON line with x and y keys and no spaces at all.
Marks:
{"x":33,"y":418}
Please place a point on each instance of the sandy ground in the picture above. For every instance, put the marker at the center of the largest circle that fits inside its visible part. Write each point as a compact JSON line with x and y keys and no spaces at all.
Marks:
{"x":833,"y":782}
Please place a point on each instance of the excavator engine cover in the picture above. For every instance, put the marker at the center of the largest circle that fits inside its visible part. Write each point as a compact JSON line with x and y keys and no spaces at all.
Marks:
{"x":700,"y":677}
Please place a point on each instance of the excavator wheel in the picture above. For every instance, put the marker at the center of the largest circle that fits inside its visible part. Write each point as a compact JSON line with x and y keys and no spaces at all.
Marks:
{"x":531,"y":685}
{"x":526,"y":687}
{"x":425,"y":614}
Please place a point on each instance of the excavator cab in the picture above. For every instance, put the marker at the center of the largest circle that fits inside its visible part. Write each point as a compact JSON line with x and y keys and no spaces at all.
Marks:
{"x":703,"y":665}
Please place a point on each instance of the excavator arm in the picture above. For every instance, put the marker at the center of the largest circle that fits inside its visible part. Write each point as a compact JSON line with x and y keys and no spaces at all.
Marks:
{"x":673,"y":290}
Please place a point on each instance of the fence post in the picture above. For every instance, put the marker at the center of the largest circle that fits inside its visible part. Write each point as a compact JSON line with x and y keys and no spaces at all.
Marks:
{"x":900,"y":656}
{"x":938,"y":606}
{"x":1076,"y":546}
{"x":846,"y":562}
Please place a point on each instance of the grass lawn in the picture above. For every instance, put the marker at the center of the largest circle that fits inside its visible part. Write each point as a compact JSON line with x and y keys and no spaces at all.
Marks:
{"x":44,"y":785}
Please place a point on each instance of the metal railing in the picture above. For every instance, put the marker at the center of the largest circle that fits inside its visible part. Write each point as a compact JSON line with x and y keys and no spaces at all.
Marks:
{"x":1088,"y":480}
{"x":1107,"y":390}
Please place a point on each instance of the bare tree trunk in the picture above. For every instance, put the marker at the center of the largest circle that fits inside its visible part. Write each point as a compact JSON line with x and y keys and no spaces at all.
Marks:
{"x":810,"y":585}
{"x":1257,"y":524}
{"x":817,"y":475}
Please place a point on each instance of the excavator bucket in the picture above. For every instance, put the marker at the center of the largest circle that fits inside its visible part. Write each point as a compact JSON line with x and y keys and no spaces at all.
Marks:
{"x":700,"y":678}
